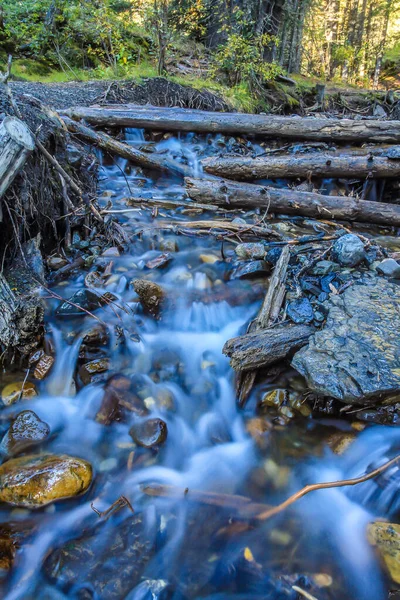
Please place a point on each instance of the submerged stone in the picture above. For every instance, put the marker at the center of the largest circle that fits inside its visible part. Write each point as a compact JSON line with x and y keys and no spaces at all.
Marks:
{"x":151,"y":296}
{"x":300,"y":311}
{"x":355,"y":356}
{"x":82,"y":299}
{"x":26,"y":430}
{"x":109,"y":560}
{"x":43,"y":366}
{"x":150,"y":433}
{"x":90,"y":371}
{"x":159,"y":261}
{"x":14,"y":391}
{"x":348,"y":250}
{"x":36,"y":480}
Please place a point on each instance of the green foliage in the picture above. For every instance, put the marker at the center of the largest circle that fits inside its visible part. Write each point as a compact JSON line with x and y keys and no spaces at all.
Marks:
{"x":241,"y":60}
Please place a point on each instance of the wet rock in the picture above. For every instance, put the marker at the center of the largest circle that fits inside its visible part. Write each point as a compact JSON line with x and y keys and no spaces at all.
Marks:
{"x":389,"y":267}
{"x":340,"y":441}
{"x":150,"y":433}
{"x":255,"y":268}
{"x":56,"y":262}
{"x":324,"y":267}
{"x":14,"y":391}
{"x":90,"y":371}
{"x":274,"y":398}
{"x":348,"y":250}
{"x":159,"y":261}
{"x":43,"y":366}
{"x":168,"y":246}
{"x":108,"y":561}
{"x":97,"y":336}
{"x":34,"y":481}
{"x":111,"y":252}
{"x":300,"y":311}
{"x":273,"y":255}
{"x":86,"y":299}
{"x":386,"y":537}
{"x":209,"y":259}
{"x":251,"y":251}
{"x":151,"y":296}
{"x":354,"y":358}
{"x":119,"y":395}
{"x":25,"y":430}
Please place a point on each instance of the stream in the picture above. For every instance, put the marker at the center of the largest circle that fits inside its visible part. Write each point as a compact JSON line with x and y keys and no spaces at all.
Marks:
{"x":178,"y":546}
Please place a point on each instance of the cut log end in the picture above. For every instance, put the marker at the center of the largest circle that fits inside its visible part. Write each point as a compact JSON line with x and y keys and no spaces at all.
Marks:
{"x":18,"y":132}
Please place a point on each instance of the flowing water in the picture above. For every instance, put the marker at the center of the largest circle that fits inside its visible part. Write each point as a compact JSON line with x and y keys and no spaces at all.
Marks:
{"x":181,"y":546}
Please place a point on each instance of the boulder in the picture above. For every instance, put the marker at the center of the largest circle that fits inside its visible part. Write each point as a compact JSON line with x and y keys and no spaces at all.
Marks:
{"x":348,"y":250}
{"x":355,"y":356}
{"x":36,"y":480}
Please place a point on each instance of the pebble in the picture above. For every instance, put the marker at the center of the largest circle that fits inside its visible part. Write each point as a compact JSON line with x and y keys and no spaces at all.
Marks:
{"x":348,"y":250}
{"x":209,"y":259}
{"x":88,"y":372}
{"x":250,"y":250}
{"x":56,"y":262}
{"x":324,"y":267}
{"x":389,"y":267}
{"x":36,"y":480}
{"x":43,"y":367}
{"x":251,"y":269}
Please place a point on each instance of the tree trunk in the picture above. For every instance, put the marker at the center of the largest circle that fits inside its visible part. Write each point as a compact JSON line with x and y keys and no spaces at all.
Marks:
{"x":381,"y":48}
{"x":284,"y":201}
{"x":177,"y":119}
{"x":16,"y":144}
{"x":306,"y":165}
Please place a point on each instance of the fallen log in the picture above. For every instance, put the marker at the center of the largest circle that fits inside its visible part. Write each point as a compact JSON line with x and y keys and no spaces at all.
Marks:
{"x":109,"y":144}
{"x":298,"y":128}
{"x":262,"y":348}
{"x":267,"y":315}
{"x":16,"y":143}
{"x":302,"y":165}
{"x":284,"y":201}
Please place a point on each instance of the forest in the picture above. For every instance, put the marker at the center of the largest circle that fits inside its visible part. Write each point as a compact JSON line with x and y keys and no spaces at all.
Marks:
{"x":238,"y":44}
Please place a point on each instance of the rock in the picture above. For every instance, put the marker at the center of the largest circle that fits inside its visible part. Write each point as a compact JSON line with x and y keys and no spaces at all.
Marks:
{"x":159,"y":261}
{"x":43,"y":366}
{"x":250,"y":250}
{"x":340,"y":441}
{"x":151,"y":296}
{"x":86,"y":299}
{"x":389,"y":267}
{"x":324,"y":267}
{"x":150,"y":433}
{"x":392,"y":153}
{"x":274,"y":398}
{"x":300,"y":311}
{"x":96,"y":335}
{"x":56,"y":262}
{"x":379,"y":112}
{"x":348,"y":250}
{"x":34,"y":481}
{"x":89,"y":371}
{"x":273,"y":255}
{"x":386,"y":537}
{"x":168,"y":246}
{"x":354,"y":358}
{"x":109,"y":561}
{"x":255,"y":268}
{"x":25,"y":430}
{"x":14,"y":391}
{"x":111,"y":252}
{"x":12,"y":536}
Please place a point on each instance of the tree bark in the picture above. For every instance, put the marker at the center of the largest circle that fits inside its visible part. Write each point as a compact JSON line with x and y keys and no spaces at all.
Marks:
{"x":177,"y":119}
{"x":16,"y":144}
{"x":109,"y":144}
{"x":284,"y":201}
{"x":306,"y":165}
{"x":262,"y":348}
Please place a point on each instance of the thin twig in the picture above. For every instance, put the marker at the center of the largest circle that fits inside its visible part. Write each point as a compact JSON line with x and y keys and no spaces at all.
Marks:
{"x":323,"y":486}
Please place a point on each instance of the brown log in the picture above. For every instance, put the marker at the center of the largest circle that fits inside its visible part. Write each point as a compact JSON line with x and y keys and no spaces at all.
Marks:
{"x":262,"y":348}
{"x":267,"y":315}
{"x":284,"y":201}
{"x":302,"y":165}
{"x":109,"y":144}
{"x":297,"y":128}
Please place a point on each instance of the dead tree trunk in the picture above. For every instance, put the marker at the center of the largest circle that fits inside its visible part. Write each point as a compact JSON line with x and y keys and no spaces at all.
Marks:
{"x":230,"y":193}
{"x":16,"y":143}
{"x":178,"y":119}
{"x":306,"y":165}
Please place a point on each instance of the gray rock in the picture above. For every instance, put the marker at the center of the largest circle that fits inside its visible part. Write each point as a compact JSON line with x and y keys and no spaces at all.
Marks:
{"x":324,"y":267}
{"x":348,"y":250}
{"x":300,"y":311}
{"x":254,"y":268}
{"x":356,"y":356}
{"x":250,"y":250}
{"x":389,"y":267}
